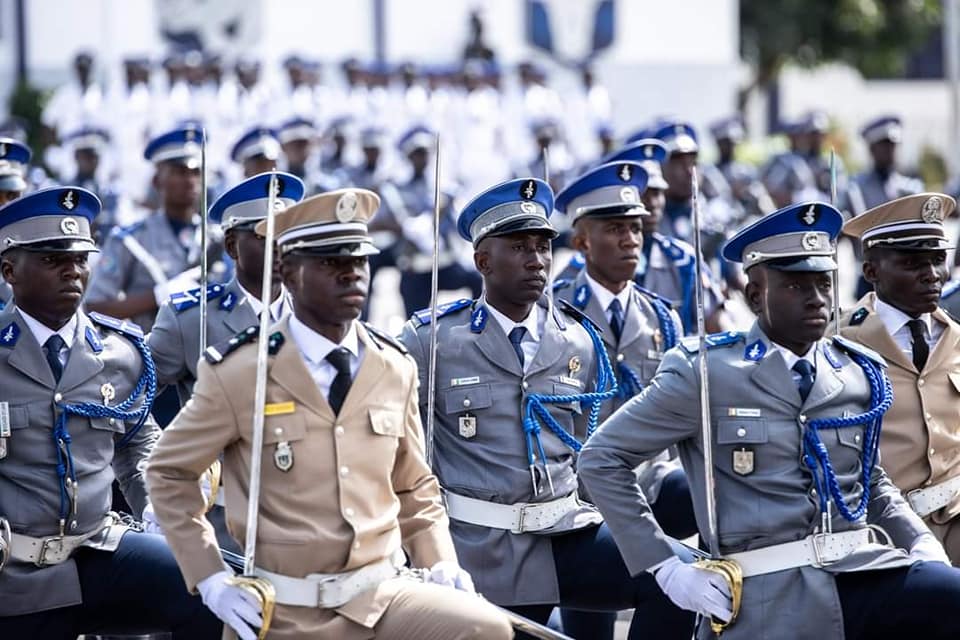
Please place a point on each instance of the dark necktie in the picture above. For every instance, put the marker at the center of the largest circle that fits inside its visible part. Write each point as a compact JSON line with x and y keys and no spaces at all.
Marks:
{"x":52,"y":348}
{"x":616,"y":319}
{"x":340,"y":359}
{"x":921,"y":350}
{"x":516,"y":337}
{"x":807,"y":374}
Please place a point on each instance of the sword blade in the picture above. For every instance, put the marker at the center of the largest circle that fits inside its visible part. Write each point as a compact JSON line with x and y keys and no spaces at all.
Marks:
{"x":434,"y":292}
{"x":836,"y":272}
{"x":204,"y":241}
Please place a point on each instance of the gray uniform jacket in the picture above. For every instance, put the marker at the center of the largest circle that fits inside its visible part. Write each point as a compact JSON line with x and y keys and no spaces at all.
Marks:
{"x":29,"y":487}
{"x":876,"y":191}
{"x":478,"y":374}
{"x":755,"y":406}
{"x":175,"y":338}
{"x":640,"y":350}
{"x":135,"y":258}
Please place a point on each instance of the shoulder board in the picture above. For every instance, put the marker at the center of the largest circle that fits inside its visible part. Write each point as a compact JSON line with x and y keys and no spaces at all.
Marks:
{"x":130,"y":329}
{"x":858,"y":316}
{"x":422,"y":317}
{"x":380,"y":336}
{"x":691,"y":344}
{"x":183,"y":300}
{"x":576,"y":314}
{"x":850,"y":346}
{"x":217,"y":353}
{"x":951,"y":288}
{"x":674,"y":248}
{"x":127,"y":230}
{"x":652,"y":295}
{"x":562,"y":283}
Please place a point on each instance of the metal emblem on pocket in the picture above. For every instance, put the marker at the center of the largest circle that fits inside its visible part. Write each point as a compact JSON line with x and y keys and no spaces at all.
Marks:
{"x":743,"y":461}
{"x":468,"y":425}
{"x":108,"y":393}
{"x":283,"y":456}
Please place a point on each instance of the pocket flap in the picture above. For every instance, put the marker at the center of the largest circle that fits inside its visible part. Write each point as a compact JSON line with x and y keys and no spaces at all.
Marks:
{"x":387,"y":422}
{"x":851,"y":436}
{"x":741,"y":430}
{"x":108,"y":424}
{"x":284,"y":428}
{"x":460,"y":399}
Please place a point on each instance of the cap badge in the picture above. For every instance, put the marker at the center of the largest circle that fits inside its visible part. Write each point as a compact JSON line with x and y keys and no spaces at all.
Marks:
{"x":3,"y":149}
{"x":932,"y":211}
{"x":190,"y":134}
{"x":573,"y":365}
{"x":810,"y":241}
{"x":810,"y":216}
{"x":625,"y":173}
{"x":347,"y":207}
{"x":528,"y":207}
{"x":528,"y":190}
{"x":628,"y":194}
{"x":67,"y":200}
{"x":648,"y":152}
{"x":69,"y":227}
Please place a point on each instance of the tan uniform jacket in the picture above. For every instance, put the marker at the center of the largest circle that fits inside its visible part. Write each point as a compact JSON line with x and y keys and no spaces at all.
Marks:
{"x":358,"y":488}
{"x":920,"y":441}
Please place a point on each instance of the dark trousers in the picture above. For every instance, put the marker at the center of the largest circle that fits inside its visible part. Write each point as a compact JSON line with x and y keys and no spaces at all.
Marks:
{"x":593,"y":577}
{"x":674,"y":511}
{"x":415,"y":287}
{"x":137,"y":588}
{"x":919,"y":601}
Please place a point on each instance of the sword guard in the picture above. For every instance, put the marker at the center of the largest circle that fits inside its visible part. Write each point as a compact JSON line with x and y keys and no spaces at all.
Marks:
{"x":266,"y":595}
{"x":213,"y":474}
{"x":732,"y":573}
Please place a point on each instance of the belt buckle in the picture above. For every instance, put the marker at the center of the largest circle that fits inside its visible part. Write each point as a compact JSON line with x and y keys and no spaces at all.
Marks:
{"x":47,"y":545}
{"x":323,"y":585}
{"x":521,"y":518}
{"x":911,"y":497}
{"x":5,"y":542}
{"x":819,"y":551}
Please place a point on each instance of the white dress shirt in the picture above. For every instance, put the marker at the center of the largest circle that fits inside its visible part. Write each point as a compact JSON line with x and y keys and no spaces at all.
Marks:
{"x":792,"y":359}
{"x":277,"y":308}
{"x":314,"y":349}
{"x":42,"y":333}
{"x":606,"y":297}
{"x":896,"y":323}
{"x":533,"y":323}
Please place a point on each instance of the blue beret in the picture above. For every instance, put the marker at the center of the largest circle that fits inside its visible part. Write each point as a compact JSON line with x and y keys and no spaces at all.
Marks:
{"x":799,"y":237}
{"x":180,"y":145}
{"x":54,"y":219}
{"x":883,"y":128}
{"x":247,"y":202}
{"x":524,"y":204}
{"x":610,"y":190}
{"x":258,"y":141}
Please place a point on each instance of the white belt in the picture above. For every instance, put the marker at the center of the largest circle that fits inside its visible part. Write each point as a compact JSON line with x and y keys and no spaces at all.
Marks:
{"x":817,"y":550}
{"x":516,"y":518}
{"x":926,"y":501}
{"x":331,"y":590}
{"x":52,"y":550}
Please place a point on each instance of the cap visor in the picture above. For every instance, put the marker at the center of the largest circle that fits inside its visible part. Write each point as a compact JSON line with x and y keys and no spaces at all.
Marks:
{"x":60,"y":246}
{"x":802,"y":263}
{"x":12,"y":183}
{"x":353,"y":249}
{"x":529,"y":224}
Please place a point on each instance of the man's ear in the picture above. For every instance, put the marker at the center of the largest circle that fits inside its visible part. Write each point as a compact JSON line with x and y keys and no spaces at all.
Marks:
{"x":870,"y":271}
{"x":481,"y":260}
{"x":230,"y":244}
{"x":579,"y":240}
{"x":7,"y":270}
{"x":754,"y":294}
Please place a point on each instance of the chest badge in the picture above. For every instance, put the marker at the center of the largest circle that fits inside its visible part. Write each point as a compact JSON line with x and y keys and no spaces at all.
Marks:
{"x":743,"y":461}
{"x":108,"y":393}
{"x":283,"y":456}
{"x":468,"y":425}
{"x":574,"y":365}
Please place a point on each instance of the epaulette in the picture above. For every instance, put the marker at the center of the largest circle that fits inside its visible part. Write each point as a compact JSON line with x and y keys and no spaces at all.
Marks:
{"x":654,"y":296}
{"x":127,"y":230}
{"x":858,"y":316}
{"x":562,"y":283}
{"x":377,"y":335}
{"x":850,"y":346}
{"x":691,"y":344}
{"x":130,"y":329}
{"x":576,"y":314}
{"x":217,"y":353}
{"x":951,"y":288}
{"x":422,"y":317}
{"x":183,"y":300}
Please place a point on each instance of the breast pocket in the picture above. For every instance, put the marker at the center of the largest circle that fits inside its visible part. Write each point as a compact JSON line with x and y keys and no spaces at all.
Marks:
{"x":284,"y":442}
{"x":561,"y":389}
{"x":387,"y":422}
{"x":475,"y":397}
{"x":740,"y":442}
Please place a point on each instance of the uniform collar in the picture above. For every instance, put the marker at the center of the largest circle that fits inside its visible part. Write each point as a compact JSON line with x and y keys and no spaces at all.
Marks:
{"x":42,"y":332}
{"x":894,"y":319}
{"x":790,"y":358}
{"x":277,"y":307}
{"x":532,"y":323}
{"x":605,"y":296}
{"x":315,"y":347}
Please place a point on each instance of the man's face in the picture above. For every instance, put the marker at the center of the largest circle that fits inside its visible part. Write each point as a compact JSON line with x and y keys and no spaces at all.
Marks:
{"x":611,"y":246}
{"x":246,"y":249}
{"x":515,"y":266}
{"x":418,"y":160}
{"x":654,"y":200}
{"x":678,"y":172}
{"x":178,"y":184}
{"x":48,"y":285}
{"x":792,"y":307}
{"x":9,"y":196}
{"x":297,"y":152}
{"x":327,"y":290}
{"x":884,"y":154}
{"x":726,"y":147}
{"x":908,"y":280}
{"x":371,"y":156}
{"x":87,"y":161}
{"x":257,"y":164}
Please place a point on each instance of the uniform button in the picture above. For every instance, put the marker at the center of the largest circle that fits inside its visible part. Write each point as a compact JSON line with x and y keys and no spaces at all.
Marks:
{"x":803,"y":418}
{"x":57,"y":397}
{"x":344,"y":471}
{"x":619,"y":357}
{"x":813,"y":492}
{"x":338,"y":431}
{"x":932,"y":451}
{"x":466,"y":402}
{"x":525,"y":384}
{"x":856,"y":438}
{"x":741,"y":432}
{"x":348,"y":512}
{"x":112,"y":421}
{"x":920,"y":382}
{"x":278,"y":431}
{"x":356,"y":545}
{"x":927,"y":416}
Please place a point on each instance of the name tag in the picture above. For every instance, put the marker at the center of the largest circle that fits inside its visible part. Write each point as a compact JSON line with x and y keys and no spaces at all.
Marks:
{"x":736,"y":412}
{"x":653,"y":354}
{"x":4,"y":419}
{"x":459,"y":382}
{"x":279,"y":408}
{"x":573,"y":382}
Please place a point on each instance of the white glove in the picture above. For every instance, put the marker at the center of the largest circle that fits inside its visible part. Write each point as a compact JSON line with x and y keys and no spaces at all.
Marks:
{"x":419,"y":231}
{"x":449,"y":574}
{"x":150,"y":524}
{"x":927,"y":548}
{"x":695,"y":589}
{"x":180,"y":282}
{"x":234,"y":606}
